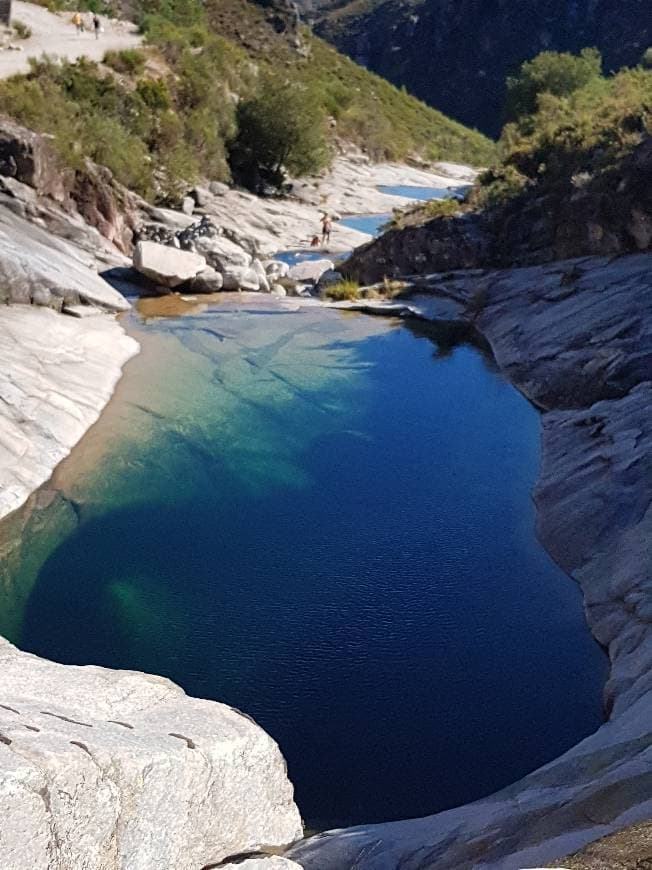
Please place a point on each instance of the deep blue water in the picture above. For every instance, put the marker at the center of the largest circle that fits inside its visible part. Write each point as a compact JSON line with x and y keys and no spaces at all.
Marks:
{"x":328,"y":524}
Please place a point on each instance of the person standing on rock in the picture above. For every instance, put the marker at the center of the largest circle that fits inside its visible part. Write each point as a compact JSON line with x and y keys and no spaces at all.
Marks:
{"x":326,"y":227}
{"x":97,"y":25}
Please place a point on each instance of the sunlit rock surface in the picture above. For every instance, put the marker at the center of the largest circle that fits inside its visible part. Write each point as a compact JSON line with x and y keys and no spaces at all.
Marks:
{"x":106,"y":769}
{"x":56,"y":375}
{"x":34,"y":263}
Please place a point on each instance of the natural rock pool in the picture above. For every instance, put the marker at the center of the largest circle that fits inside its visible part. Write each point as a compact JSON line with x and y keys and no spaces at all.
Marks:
{"x":326,"y":521}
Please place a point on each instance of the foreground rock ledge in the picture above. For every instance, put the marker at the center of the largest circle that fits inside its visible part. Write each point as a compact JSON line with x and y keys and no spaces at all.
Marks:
{"x":103,"y":769}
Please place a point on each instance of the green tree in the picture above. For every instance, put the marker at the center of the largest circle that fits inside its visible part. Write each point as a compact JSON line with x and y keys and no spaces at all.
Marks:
{"x":551,"y":72}
{"x":646,"y":60}
{"x":281,"y":129}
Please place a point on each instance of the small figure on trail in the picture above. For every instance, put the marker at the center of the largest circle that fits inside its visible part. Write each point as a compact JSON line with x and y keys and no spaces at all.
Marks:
{"x":326,"y":227}
{"x":97,"y":25}
{"x":78,"y":21}
{"x":314,"y":242}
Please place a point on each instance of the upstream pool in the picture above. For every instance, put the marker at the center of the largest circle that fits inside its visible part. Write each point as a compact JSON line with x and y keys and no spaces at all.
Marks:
{"x":326,"y":521}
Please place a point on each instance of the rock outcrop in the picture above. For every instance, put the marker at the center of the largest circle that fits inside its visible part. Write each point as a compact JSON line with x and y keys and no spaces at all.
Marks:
{"x":109,"y":769}
{"x":576,"y":338}
{"x":611,"y":214}
{"x":630,"y":849}
{"x":37,"y":268}
{"x":166,"y":266}
{"x":56,"y":375}
{"x":310,"y":271}
{"x":86,"y":205}
{"x":29,"y":158}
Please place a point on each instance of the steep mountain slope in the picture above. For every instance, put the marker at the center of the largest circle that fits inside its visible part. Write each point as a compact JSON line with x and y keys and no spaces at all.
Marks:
{"x":456,"y":55}
{"x":162,"y":118}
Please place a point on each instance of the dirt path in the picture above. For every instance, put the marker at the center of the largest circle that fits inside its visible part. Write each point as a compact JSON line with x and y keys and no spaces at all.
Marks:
{"x":54,"y":34}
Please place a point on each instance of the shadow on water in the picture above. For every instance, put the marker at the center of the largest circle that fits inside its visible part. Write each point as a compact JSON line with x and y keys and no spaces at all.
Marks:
{"x":377,"y":600}
{"x":447,"y":335}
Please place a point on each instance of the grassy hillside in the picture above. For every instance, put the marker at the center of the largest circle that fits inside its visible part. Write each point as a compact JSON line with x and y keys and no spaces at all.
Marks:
{"x":162,"y":118}
{"x":574,"y":130}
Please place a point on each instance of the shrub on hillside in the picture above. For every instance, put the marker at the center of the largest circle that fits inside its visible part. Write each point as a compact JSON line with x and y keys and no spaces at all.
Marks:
{"x":21,"y":29}
{"x":551,"y":72}
{"x":280,"y":130}
{"x":572,"y":141}
{"x":496,"y":185}
{"x":419,"y":213}
{"x":129,"y":61}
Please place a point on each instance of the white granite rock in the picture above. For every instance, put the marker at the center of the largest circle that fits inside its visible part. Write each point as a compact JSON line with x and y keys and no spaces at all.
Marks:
{"x":275,"y":269}
{"x":310,"y":271}
{"x":218,"y":188}
{"x":34,"y":263}
{"x":208,"y":281}
{"x":349,"y":186}
{"x":240,"y":278}
{"x":167,"y":266}
{"x":56,"y":375}
{"x":109,"y":770}
{"x":221,"y":253}
{"x":263,"y":281}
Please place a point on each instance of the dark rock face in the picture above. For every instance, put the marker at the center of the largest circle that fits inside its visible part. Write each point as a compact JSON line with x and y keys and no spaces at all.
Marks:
{"x":37,"y":187}
{"x":456,"y":55}
{"x":106,"y":205}
{"x":29,"y":158}
{"x":609,"y":216}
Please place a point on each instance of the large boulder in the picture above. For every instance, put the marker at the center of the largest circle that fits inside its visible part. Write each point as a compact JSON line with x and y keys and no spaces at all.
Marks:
{"x":310,"y":271}
{"x":328,"y":278}
{"x":166,"y":266}
{"x":32,"y":174}
{"x":106,"y":205}
{"x":275,"y":269}
{"x":221,"y":253}
{"x":264,"y":285}
{"x":208,"y":281}
{"x":218,"y":188}
{"x":238,"y":278}
{"x":107,"y":770}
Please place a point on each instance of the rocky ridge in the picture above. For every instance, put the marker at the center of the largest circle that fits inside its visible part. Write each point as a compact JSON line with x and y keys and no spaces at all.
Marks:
{"x":609,"y":214}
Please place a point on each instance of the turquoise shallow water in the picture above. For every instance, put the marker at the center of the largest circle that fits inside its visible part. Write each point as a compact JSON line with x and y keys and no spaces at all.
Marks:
{"x":367,"y":223}
{"x":421,"y":193}
{"x":326,"y":521}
